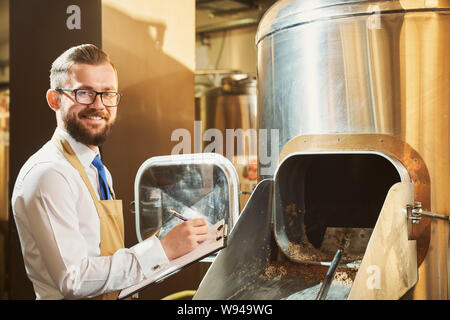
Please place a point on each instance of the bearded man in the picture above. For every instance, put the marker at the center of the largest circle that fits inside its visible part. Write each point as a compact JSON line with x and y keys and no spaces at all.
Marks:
{"x":69,"y":222}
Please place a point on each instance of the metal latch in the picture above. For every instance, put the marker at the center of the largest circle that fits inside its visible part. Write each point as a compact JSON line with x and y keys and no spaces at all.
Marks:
{"x":415,"y":213}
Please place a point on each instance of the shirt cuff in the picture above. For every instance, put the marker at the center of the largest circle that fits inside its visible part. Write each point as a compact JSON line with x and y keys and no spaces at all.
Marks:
{"x":150,"y":255}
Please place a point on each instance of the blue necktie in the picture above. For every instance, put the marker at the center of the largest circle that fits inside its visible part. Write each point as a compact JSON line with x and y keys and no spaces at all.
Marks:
{"x":104,"y":190}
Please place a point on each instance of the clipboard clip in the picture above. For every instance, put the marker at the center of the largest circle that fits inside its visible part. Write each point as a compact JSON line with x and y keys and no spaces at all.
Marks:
{"x":221,"y":232}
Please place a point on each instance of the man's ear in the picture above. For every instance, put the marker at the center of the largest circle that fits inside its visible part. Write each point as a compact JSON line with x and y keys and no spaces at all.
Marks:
{"x":53,"y":99}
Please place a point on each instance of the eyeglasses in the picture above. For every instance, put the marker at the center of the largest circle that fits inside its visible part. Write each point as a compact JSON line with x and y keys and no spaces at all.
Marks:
{"x":88,"y":96}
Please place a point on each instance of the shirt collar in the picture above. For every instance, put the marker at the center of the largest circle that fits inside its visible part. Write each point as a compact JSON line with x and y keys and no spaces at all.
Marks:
{"x":85,"y":154}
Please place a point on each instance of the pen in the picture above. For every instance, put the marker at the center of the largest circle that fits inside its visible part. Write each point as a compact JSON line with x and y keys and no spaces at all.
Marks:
{"x":179,"y":216}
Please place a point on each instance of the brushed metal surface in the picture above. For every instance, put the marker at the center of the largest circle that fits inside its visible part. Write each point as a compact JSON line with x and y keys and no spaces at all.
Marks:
{"x":365,"y":67}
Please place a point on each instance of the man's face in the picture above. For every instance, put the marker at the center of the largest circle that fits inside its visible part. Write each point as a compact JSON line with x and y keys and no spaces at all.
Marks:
{"x":88,"y":124}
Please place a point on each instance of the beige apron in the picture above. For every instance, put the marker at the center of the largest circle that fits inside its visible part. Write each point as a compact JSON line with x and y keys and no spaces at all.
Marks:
{"x":109,"y":211}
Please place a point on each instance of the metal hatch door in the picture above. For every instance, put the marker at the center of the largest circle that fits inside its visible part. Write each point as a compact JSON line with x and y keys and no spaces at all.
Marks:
{"x":236,"y":272}
{"x":389,"y":267}
{"x":195,"y":185}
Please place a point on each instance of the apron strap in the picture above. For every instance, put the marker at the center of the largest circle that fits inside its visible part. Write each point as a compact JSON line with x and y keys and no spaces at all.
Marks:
{"x":109,"y":211}
{"x":64,"y":146}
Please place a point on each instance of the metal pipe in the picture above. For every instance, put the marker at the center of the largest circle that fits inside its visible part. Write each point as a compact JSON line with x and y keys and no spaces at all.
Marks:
{"x":323,"y":291}
{"x":435,"y":215}
{"x":218,"y":71}
{"x":247,"y":3}
{"x":246,"y":22}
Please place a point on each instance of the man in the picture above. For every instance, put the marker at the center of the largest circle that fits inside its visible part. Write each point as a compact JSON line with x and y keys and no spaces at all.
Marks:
{"x":70,"y":225}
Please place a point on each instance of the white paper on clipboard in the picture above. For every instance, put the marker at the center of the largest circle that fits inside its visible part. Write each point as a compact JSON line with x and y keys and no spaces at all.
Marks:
{"x":215,"y":241}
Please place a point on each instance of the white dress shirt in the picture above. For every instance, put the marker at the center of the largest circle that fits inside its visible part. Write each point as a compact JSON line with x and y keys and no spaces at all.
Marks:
{"x":59,"y":230}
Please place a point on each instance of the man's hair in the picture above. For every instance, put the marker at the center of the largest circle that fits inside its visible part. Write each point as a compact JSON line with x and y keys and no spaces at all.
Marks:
{"x":85,"y":53}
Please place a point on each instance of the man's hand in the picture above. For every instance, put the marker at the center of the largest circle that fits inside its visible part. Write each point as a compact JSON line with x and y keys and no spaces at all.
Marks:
{"x":184,"y":237}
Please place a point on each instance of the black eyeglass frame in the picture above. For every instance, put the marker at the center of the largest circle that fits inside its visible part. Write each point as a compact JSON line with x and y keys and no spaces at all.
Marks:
{"x":96,"y":94}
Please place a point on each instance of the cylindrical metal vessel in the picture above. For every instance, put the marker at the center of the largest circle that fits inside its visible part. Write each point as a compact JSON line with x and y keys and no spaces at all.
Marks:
{"x":229,"y":106}
{"x":370,"y":68}
{"x":229,"y":112}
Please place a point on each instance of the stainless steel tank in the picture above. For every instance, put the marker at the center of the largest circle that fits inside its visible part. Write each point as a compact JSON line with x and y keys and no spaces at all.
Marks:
{"x":347,"y":76}
{"x":232,"y":105}
{"x":229,"y":111}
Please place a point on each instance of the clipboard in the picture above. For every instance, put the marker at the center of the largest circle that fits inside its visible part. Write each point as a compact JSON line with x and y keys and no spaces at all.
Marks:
{"x":216,"y":240}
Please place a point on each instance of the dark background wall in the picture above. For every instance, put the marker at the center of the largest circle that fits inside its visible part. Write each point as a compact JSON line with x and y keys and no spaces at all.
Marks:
{"x":38,"y":34}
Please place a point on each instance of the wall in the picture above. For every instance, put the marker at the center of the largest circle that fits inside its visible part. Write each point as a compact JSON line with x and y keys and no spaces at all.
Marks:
{"x":152,"y":44}
{"x":231,"y":49}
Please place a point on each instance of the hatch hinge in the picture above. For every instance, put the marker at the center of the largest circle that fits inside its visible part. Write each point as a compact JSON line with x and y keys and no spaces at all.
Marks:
{"x":415,"y":213}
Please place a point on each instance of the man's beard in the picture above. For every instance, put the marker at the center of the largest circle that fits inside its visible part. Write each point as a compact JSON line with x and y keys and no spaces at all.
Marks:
{"x":81,"y":134}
